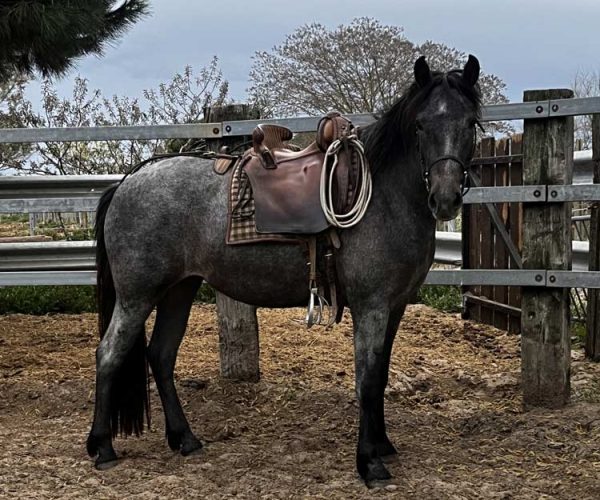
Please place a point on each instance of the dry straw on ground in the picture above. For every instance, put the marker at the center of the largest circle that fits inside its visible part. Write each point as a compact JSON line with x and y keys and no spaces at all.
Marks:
{"x":453,"y":410}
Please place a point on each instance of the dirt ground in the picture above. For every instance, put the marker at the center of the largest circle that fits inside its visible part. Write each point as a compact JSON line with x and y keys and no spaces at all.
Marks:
{"x":453,"y":410}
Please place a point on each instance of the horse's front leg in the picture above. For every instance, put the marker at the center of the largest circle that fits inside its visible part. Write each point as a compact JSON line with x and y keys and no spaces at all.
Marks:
{"x":374,"y":332}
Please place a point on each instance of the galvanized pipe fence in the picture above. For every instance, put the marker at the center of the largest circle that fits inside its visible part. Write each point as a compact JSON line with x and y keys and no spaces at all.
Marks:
{"x":547,"y":173}
{"x":43,"y":194}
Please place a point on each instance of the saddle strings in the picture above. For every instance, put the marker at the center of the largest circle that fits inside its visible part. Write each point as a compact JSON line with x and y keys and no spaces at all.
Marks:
{"x":359,"y":208}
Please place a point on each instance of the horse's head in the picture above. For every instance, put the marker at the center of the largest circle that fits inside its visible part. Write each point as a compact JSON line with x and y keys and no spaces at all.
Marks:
{"x":444,"y":126}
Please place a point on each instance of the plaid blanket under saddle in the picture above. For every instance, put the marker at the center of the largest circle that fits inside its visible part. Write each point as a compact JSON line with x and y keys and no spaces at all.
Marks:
{"x":242,"y":220}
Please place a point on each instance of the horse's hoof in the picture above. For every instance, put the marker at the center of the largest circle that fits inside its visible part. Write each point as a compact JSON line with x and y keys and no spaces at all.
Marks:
{"x":192,"y":447}
{"x":373,"y":472}
{"x":379,"y":483}
{"x":105,"y":464}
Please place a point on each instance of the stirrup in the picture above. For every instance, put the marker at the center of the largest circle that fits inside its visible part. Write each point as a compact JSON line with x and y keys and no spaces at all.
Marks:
{"x":315,"y":313}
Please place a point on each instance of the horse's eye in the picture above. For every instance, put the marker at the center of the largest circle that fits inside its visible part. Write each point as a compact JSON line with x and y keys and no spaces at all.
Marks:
{"x":473,"y":123}
{"x":418,"y":126}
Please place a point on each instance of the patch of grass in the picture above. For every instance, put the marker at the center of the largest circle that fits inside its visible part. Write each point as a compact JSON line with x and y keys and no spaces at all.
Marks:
{"x":578,"y":332}
{"x":444,"y":298}
{"x":14,"y":218}
{"x":38,"y":300}
{"x":206,"y":295}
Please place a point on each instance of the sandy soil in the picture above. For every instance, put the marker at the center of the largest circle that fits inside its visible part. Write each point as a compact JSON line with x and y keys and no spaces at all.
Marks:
{"x":453,"y":410}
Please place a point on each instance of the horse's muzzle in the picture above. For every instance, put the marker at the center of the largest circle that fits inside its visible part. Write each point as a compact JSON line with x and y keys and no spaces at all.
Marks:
{"x":445,"y":204}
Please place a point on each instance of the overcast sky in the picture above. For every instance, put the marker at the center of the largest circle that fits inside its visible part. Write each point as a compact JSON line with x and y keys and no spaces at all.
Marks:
{"x":527,"y":43}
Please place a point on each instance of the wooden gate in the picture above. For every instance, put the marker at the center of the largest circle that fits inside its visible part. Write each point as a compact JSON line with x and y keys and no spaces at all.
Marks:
{"x":496,"y":163}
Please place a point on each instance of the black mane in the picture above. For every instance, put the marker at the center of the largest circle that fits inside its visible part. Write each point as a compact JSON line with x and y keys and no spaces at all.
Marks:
{"x":393,"y":133}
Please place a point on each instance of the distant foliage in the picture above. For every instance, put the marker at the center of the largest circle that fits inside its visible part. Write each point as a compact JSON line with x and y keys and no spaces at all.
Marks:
{"x":362,"y":67}
{"x":41,"y":300}
{"x":586,"y":83}
{"x":181,"y":100}
{"x":14,"y":112}
{"x":443,"y":298}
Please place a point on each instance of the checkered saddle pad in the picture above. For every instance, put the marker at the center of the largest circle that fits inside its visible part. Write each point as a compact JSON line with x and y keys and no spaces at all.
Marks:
{"x":242,"y":218}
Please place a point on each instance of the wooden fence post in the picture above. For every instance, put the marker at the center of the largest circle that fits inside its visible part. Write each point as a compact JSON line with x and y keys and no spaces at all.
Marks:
{"x":592,"y":340}
{"x":238,"y":326}
{"x":545,"y":339}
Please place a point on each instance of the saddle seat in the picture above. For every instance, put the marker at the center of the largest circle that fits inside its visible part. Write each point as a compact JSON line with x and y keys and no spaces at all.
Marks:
{"x":286,"y":184}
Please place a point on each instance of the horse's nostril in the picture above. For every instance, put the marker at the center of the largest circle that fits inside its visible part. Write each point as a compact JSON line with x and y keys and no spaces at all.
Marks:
{"x":432,"y":203}
{"x":457,"y":200}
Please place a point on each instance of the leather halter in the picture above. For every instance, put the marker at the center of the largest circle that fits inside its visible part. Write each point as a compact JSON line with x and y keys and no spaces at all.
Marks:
{"x":465,"y":184}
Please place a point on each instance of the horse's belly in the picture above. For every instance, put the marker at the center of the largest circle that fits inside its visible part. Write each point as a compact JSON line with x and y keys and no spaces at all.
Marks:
{"x":262,"y":275}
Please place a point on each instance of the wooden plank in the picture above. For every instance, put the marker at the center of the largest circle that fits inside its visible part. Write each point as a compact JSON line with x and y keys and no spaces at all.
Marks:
{"x":487,"y":241}
{"x":238,"y":326}
{"x":545,"y":339}
{"x":497,"y":306}
{"x":473,"y":236}
{"x":238,"y":340}
{"x":592,"y":341}
{"x":515,"y":213}
{"x":465,"y":228}
{"x":500,"y":251}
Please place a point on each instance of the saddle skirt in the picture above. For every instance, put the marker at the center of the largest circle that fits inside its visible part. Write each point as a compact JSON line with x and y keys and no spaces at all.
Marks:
{"x":286,"y":184}
{"x":287,"y":197}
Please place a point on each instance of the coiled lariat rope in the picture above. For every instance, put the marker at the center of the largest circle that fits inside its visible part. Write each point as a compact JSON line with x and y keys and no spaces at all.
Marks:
{"x":364,"y":185}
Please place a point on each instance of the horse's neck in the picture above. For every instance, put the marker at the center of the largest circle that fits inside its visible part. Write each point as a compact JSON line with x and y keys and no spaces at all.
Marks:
{"x":401,"y":182}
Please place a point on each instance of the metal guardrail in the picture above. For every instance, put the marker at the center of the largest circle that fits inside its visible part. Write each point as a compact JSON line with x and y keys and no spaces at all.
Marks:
{"x":72,"y":263}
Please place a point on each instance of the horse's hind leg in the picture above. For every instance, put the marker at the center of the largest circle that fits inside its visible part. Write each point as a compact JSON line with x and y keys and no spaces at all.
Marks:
{"x":124,"y":337}
{"x":171,"y":320}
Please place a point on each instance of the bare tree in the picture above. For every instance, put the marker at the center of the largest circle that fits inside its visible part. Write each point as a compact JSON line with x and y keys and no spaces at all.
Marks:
{"x":184,"y":98}
{"x":181,"y":100}
{"x":586,"y":83}
{"x":14,"y":114}
{"x":360,"y":67}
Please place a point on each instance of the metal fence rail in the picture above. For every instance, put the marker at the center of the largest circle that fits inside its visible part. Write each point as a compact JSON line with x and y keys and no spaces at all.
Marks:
{"x":516,"y":111}
{"x":71,"y":195}
{"x":72,"y":262}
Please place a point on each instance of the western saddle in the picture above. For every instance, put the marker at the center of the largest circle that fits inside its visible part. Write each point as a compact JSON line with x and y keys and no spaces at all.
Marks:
{"x":287,"y":186}
{"x":287,"y":183}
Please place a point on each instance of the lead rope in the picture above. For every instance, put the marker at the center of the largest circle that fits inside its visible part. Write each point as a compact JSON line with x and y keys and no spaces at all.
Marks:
{"x":359,"y":208}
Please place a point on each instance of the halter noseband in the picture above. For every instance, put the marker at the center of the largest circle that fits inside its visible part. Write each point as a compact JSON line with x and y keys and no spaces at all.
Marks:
{"x":465,"y":184}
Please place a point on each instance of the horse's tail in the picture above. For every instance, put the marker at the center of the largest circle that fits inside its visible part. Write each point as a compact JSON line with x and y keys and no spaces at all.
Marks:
{"x":129,"y":389}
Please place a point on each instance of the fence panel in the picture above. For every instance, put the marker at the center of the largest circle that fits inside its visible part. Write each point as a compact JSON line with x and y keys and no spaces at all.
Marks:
{"x":497,"y":164}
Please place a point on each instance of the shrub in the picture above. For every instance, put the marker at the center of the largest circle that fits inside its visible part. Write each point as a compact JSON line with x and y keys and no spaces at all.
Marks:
{"x":444,"y":298}
{"x":47,"y":299}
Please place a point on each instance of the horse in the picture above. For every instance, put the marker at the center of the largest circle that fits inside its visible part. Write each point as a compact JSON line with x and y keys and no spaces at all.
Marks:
{"x":161,"y":232}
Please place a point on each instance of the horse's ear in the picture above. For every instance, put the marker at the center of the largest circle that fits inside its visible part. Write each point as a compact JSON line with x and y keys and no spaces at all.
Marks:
{"x":471,"y":70}
{"x":422,"y":72}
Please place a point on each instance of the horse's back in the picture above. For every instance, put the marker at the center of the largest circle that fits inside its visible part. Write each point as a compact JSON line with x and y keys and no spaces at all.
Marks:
{"x":169,"y":221}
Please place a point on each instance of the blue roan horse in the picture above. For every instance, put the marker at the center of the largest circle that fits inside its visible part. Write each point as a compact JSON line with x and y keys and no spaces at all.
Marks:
{"x":161,"y":232}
